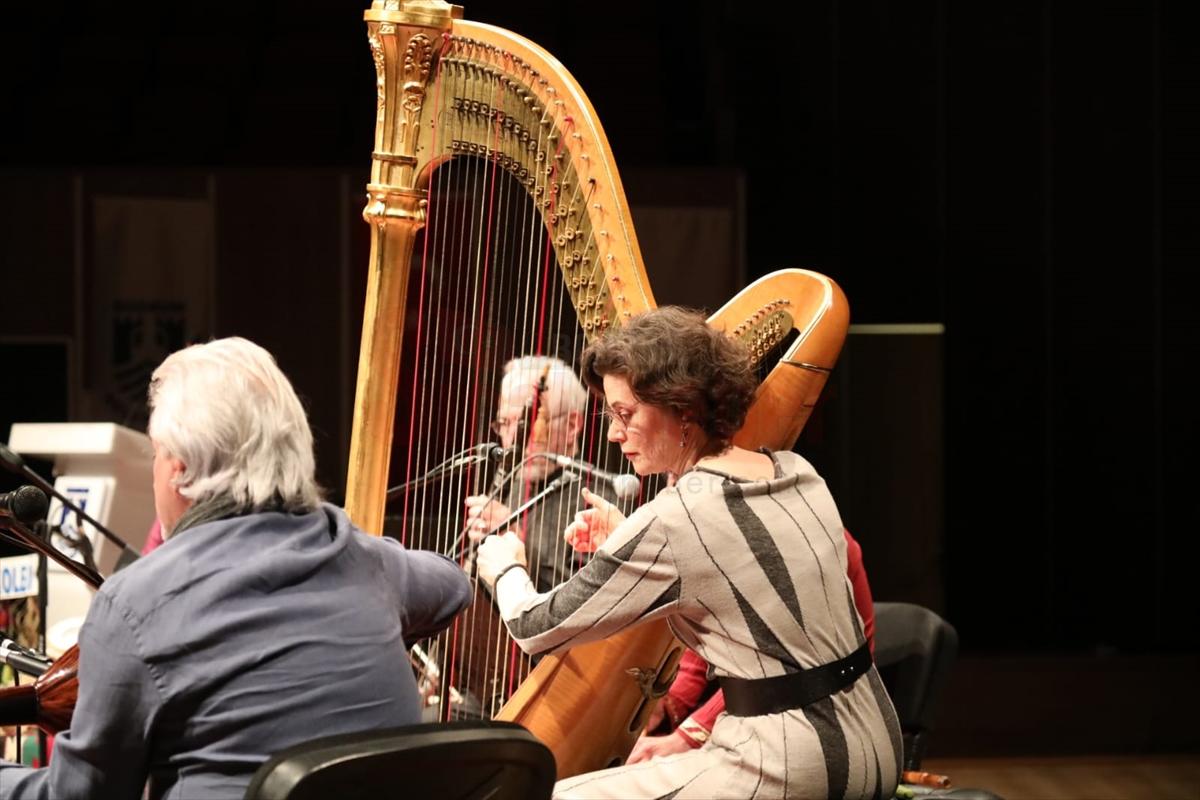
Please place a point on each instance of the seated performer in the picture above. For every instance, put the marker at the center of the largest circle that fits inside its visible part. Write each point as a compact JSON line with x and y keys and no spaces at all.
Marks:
{"x":540,"y":411}
{"x":744,"y":556}
{"x":265,"y":618}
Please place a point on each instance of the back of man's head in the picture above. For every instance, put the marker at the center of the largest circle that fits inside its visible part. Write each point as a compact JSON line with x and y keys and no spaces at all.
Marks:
{"x":228,"y":412}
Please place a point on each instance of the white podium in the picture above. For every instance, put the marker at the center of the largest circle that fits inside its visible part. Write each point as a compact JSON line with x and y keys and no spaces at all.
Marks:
{"x":106,"y":470}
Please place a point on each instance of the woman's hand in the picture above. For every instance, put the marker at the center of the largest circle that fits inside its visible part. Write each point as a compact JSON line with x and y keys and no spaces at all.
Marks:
{"x":656,"y":716}
{"x":483,"y":515}
{"x":592,"y":526}
{"x":648,"y":747}
{"x":497,"y":553}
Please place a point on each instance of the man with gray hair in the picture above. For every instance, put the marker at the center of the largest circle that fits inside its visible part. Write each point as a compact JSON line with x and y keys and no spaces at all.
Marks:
{"x":540,"y":413}
{"x":265,"y":619}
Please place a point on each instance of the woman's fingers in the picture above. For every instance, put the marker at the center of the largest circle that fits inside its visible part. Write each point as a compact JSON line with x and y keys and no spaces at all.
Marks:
{"x":579,"y":534}
{"x":591,"y":526}
{"x":496,"y":553}
{"x":648,"y":747}
{"x":597,"y":501}
{"x":606,"y":513}
{"x":643,"y":750}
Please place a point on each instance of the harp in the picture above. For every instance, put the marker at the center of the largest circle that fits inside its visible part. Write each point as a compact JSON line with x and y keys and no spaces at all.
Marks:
{"x":499,"y":228}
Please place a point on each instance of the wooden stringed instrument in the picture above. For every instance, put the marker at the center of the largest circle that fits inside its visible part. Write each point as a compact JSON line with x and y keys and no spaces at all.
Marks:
{"x":499,"y":228}
{"x":49,"y":701}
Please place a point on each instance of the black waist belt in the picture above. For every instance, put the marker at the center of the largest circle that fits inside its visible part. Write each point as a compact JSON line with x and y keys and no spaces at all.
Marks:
{"x":754,"y":697}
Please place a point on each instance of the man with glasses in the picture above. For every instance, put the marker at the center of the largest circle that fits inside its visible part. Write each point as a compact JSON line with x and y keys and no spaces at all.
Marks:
{"x":540,"y":413}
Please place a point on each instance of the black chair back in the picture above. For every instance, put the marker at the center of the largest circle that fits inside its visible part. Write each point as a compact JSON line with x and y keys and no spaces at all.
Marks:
{"x":457,"y":760}
{"x":914,"y":652}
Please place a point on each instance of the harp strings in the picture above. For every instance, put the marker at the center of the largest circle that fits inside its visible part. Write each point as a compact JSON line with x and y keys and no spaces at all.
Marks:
{"x":472,"y":299}
{"x":421,"y":373}
{"x":488,"y":290}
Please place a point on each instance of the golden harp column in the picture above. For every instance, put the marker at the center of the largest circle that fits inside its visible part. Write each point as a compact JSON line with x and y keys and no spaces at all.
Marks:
{"x":404,"y":39}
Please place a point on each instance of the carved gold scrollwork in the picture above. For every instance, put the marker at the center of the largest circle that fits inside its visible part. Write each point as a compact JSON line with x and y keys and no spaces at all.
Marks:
{"x":380,"y":74}
{"x":418,"y":58}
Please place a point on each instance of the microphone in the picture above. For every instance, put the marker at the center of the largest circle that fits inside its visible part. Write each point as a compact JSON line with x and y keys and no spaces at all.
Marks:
{"x":27,"y":504}
{"x":488,"y":451}
{"x":480,"y":453}
{"x":23,"y":660}
{"x":625,"y":487}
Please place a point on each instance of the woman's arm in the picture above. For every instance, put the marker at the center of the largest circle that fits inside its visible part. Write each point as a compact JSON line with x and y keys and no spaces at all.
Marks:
{"x":630,"y":579}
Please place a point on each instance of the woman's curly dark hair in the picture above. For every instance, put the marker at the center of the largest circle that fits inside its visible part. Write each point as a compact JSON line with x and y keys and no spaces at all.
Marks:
{"x":674,"y":360}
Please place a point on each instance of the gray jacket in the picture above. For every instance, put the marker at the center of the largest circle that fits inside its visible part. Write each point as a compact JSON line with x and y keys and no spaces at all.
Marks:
{"x":236,"y":639}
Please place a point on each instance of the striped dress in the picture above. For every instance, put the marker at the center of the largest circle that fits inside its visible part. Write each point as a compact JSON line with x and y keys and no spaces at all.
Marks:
{"x":751,"y":575}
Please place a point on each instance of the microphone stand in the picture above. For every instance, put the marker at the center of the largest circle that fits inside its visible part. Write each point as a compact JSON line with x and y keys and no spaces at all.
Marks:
{"x":466,"y":458}
{"x":553,"y":486}
{"x":17,"y":465}
{"x":27,"y":538}
{"x":43,"y":603}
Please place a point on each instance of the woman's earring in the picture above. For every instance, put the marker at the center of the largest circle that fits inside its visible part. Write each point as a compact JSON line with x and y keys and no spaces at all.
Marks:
{"x":683,"y":436}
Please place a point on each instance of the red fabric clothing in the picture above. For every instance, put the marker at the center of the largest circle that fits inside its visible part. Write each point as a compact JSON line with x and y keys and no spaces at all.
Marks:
{"x":862,"y":590}
{"x":153,"y":538}
{"x":691,"y":679}
{"x":685,"y":693}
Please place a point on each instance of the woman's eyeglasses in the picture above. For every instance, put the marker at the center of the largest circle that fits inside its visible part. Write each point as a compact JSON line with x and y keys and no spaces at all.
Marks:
{"x":619,"y":419}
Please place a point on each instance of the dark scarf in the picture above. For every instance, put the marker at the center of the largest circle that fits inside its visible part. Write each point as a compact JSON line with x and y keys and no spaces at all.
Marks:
{"x":210,"y":509}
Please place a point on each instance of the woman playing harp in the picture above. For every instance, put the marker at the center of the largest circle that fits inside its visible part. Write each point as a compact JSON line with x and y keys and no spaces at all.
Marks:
{"x":500,"y":229}
{"x":744,"y":556}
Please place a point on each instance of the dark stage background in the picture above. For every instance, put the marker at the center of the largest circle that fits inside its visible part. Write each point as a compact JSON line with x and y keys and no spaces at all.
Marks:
{"x":1016,"y":174}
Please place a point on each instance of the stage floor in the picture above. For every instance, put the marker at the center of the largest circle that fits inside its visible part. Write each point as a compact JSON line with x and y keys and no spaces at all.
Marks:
{"x":1077,"y":777}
